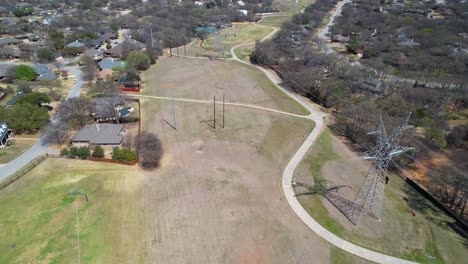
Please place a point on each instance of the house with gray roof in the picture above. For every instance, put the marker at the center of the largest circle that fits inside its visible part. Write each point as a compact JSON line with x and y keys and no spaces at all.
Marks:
{"x":5,"y":134}
{"x":44,"y":72}
{"x":75,"y":44}
{"x":128,"y":44}
{"x":7,"y":71}
{"x":99,"y":134}
{"x":9,"y":41}
{"x":109,"y":63}
{"x":94,"y":54}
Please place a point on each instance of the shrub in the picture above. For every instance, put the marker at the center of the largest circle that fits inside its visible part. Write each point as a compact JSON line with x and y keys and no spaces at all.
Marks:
{"x":73,"y":151}
{"x":123,"y":154}
{"x":98,"y":152}
{"x":129,"y":119}
{"x":64,"y":152}
{"x":83,"y":152}
{"x":150,"y":150}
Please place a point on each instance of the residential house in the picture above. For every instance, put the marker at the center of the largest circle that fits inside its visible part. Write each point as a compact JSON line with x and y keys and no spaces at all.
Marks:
{"x":75,"y":44}
{"x":44,"y":72}
{"x":94,"y":54}
{"x":128,"y":45}
{"x":107,"y":109}
{"x":9,"y":53}
{"x":99,"y":134}
{"x":109,"y":63}
{"x":5,"y":134}
{"x":9,"y":41}
{"x":7,"y":72}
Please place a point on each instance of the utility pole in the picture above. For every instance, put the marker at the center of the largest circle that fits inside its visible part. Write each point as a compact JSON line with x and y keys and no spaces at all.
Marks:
{"x":173,"y":109}
{"x":185,"y":52}
{"x":78,"y":233}
{"x":152,"y":40}
{"x":223,"y":110}
{"x":214,"y":112}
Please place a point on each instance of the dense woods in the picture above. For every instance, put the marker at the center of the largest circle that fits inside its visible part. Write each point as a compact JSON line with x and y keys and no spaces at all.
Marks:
{"x":358,"y":95}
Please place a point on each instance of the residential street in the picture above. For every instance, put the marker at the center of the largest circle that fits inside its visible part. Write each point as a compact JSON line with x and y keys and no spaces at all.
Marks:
{"x":39,"y":148}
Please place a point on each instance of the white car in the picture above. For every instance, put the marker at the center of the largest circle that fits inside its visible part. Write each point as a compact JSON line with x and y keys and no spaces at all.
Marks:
{"x":75,"y":81}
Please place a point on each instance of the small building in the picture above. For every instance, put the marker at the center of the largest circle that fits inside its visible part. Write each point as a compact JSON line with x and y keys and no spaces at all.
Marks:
{"x":5,"y":134}
{"x":99,"y":134}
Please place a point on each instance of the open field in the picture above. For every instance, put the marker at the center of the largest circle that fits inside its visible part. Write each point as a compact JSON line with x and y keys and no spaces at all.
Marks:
{"x":275,"y":21}
{"x":194,"y":49}
{"x":38,"y":218}
{"x":238,"y":34}
{"x":19,"y":145}
{"x":202,"y":79}
{"x":217,"y":198}
{"x":424,"y":237}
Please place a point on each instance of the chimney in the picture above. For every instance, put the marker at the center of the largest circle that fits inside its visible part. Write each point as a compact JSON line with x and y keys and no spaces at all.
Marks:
{"x":97,"y":127}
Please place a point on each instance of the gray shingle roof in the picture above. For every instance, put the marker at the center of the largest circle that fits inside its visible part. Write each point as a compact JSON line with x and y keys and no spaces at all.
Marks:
{"x":100,"y":134}
{"x":109,"y":64}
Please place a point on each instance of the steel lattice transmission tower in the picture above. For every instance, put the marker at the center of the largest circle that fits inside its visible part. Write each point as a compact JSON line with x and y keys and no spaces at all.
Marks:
{"x":369,"y":199}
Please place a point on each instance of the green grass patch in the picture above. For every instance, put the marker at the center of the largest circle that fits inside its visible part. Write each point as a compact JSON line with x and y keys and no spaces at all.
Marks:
{"x":240,"y":33}
{"x":38,"y":216}
{"x":275,"y":21}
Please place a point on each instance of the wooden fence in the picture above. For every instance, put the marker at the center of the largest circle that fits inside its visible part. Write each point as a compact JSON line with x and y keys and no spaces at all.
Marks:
{"x":130,"y":163}
{"x":20,"y":173}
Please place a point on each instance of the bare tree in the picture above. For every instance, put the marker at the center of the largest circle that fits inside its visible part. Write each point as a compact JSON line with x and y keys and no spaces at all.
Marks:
{"x":150,"y":150}
{"x":89,"y":68}
{"x":74,"y":111}
{"x":56,"y":132}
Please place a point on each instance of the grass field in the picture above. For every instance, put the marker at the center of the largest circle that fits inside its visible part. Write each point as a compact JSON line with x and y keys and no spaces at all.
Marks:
{"x":275,"y":21}
{"x":238,"y":34}
{"x":202,"y":79}
{"x":217,"y":198}
{"x":424,"y":237}
{"x":244,"y":52}
{"x":38,"y":218}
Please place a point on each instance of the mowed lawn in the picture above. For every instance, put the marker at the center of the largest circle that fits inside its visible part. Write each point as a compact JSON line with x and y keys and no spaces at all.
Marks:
{"x":38,"y":219}
{"x":424,"y":237}
{"x":240,"y":33}
{"x":275,"y":21}
{"x":202,"y":79}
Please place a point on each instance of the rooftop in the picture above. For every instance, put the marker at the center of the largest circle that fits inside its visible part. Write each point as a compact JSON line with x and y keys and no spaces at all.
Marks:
{"x":109,"y":64}
{"x":3,"y":129}
{"x":100,"y":134}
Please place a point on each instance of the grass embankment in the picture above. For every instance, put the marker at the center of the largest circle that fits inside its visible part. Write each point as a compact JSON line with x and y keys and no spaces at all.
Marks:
{"x":38,"y":217}
{"x":424,"y":237}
